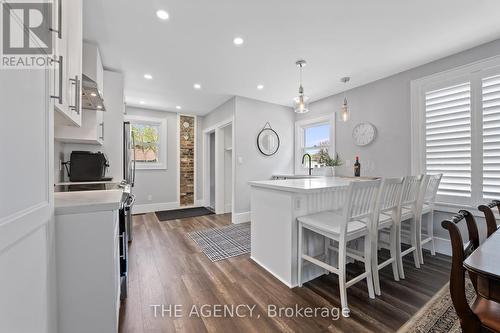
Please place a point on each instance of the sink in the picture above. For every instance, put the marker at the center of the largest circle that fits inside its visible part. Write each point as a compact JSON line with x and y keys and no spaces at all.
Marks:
{"x":276,"y":177}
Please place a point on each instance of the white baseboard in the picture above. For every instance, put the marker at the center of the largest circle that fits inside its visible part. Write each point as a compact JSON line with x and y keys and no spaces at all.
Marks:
{"x":156,"y":207}
{"x":241,"y":217}
{"x":276,"y":276}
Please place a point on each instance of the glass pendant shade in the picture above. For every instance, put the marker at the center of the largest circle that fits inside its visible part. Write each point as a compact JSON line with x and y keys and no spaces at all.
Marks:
{"x":344,"y":111}
{"x":301,"y":102}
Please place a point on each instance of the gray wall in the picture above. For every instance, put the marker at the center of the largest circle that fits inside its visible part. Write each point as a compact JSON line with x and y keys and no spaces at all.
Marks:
{"x":160,"y":184}
{"x":221,"y":113}
{"x":386,"y":104}
{"x":250,"y":117}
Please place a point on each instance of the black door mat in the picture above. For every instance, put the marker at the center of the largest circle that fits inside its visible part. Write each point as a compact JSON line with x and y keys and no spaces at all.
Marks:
{"x":167,"y":215}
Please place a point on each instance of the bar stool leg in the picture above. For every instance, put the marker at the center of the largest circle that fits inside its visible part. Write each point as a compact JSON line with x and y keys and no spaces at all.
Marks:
{"x":299,"y":257}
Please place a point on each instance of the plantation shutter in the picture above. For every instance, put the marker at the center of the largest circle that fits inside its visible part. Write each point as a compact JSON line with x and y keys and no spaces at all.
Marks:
{"x":491,"y":137}
{"x":448,"y":138}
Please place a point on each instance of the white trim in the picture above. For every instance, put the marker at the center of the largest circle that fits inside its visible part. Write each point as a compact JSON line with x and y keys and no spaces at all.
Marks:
{"x":217,"y":129}
{"x":178,"y":156}
{"x":241,"y":217}
{"x":163,"y":142}
{"x":472,"y":73}
{"x":156,"y":207}
{"x":299,"y":136}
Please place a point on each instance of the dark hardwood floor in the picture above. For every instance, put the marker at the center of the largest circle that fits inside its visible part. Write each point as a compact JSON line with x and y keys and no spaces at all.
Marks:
{"x":167,"y":268}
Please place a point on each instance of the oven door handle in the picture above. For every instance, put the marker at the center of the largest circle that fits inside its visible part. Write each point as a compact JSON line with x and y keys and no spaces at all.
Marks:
{"x":130,"y":201}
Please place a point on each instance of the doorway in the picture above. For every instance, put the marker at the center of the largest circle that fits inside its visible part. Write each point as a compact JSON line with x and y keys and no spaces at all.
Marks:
{"x":211,"y":157}
{"x":218,"y":167}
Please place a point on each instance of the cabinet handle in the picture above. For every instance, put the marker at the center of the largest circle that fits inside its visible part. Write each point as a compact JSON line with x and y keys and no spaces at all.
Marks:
{"x":76,"y":83}
{"x":59,"y":20}
{"x":59,"y":97}
{"x":124,"y":244}
{"x":102,"y":131}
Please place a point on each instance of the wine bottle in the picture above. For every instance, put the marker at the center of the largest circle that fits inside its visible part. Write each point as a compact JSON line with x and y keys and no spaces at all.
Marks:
{"x":357,"y":168}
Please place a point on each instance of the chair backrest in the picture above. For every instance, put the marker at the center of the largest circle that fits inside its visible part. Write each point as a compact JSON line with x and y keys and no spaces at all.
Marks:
{"x":457,"y":275}
{"x":390,"y":197}
{"x":361,"y":199}
{"x":411,"y":189}
{"x":432,"y":188}
{"x":491,"y":221}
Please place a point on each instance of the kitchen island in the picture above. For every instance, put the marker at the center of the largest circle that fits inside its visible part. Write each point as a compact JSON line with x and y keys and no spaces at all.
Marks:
{"x":275,"y":206}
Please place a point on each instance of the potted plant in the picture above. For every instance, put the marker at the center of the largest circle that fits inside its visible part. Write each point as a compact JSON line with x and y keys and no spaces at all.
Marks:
{"x":328,"y":163}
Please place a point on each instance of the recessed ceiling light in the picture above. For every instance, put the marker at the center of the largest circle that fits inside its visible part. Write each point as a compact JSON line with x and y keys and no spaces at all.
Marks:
{"x":148,"y":76}
{"x":178,"y":107}
{"x":260,"y":87}
{"x":142,"y":102}
{"x":197,"y":86}
{"x":162,"y":14}
{"x":238,"y":41}
{"x":93,"y":94}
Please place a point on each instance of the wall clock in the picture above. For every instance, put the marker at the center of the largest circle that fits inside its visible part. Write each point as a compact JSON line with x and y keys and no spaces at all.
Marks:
{"x":364,"y":134}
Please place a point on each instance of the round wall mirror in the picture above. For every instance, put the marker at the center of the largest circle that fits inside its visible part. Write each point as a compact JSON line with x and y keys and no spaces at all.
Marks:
{"x":268,"y":141}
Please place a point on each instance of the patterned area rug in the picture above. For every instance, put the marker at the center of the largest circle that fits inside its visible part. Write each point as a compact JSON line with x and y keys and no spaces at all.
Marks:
{"x":225,"y":242}
{"x":438,"y":315}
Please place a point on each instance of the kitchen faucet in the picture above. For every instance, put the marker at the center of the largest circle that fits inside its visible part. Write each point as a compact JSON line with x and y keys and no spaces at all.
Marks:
{"x":303,"y":157}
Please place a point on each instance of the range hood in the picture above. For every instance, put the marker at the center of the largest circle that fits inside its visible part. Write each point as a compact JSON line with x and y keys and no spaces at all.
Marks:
{"x":92,"y":78}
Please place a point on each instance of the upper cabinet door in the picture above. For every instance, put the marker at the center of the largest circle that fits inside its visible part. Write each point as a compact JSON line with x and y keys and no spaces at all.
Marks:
{"x":68,"y":51}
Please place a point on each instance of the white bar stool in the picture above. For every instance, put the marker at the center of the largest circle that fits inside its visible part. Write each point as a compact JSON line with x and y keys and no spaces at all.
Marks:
{"x":428,"y":208}
{"x":388,"y":210}
{"x":350,"y":223}
{"x":411,"y":210}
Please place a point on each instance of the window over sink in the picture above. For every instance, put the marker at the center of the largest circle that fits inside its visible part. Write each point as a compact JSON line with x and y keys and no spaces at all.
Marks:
{"x":313,"y":137}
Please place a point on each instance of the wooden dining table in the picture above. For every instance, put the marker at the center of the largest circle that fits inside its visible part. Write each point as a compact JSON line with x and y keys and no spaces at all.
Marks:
{"x":485,"y":263}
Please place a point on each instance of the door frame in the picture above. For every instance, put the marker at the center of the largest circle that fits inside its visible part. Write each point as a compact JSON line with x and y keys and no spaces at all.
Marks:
{"x":218,"y":128}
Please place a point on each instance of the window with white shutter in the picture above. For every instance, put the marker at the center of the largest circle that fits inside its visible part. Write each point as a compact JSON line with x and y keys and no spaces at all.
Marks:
{"x":456,"y":131}
{"x":491,"y":137}
{"x":448,"y":138}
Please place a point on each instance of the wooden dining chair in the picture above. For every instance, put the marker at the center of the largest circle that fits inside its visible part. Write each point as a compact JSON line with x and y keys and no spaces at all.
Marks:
{"x":483,"y":315}
{"x":489,"y":215}
{"x":354,"y":221}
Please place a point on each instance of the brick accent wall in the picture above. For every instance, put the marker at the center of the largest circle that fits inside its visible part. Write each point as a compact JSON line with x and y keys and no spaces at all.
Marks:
{"x":187,"y":140}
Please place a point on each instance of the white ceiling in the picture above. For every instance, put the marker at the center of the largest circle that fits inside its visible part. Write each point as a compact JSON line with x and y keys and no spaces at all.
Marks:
{"x":366,"y":40}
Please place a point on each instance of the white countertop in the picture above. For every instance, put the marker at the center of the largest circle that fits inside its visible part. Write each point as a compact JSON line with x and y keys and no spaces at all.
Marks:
{"x":87,"y":201}
{"x":305,"y":185}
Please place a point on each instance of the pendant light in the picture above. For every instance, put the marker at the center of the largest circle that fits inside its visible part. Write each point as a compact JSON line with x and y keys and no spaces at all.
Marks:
{"x":301,"y":102}
{"x":344,"y":110}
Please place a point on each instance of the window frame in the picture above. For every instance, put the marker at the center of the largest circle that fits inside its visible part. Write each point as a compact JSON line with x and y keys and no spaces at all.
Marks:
{"x":300,"y":127}
{"x":473,"y":73}
{"x":162,"y":141}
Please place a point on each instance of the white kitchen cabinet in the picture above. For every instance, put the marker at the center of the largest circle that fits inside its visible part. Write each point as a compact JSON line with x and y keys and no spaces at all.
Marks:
{"x":91,"y":131}
{"x":68,"y":53}
{"x":88,"y":271}
{"x":27,"y":270}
